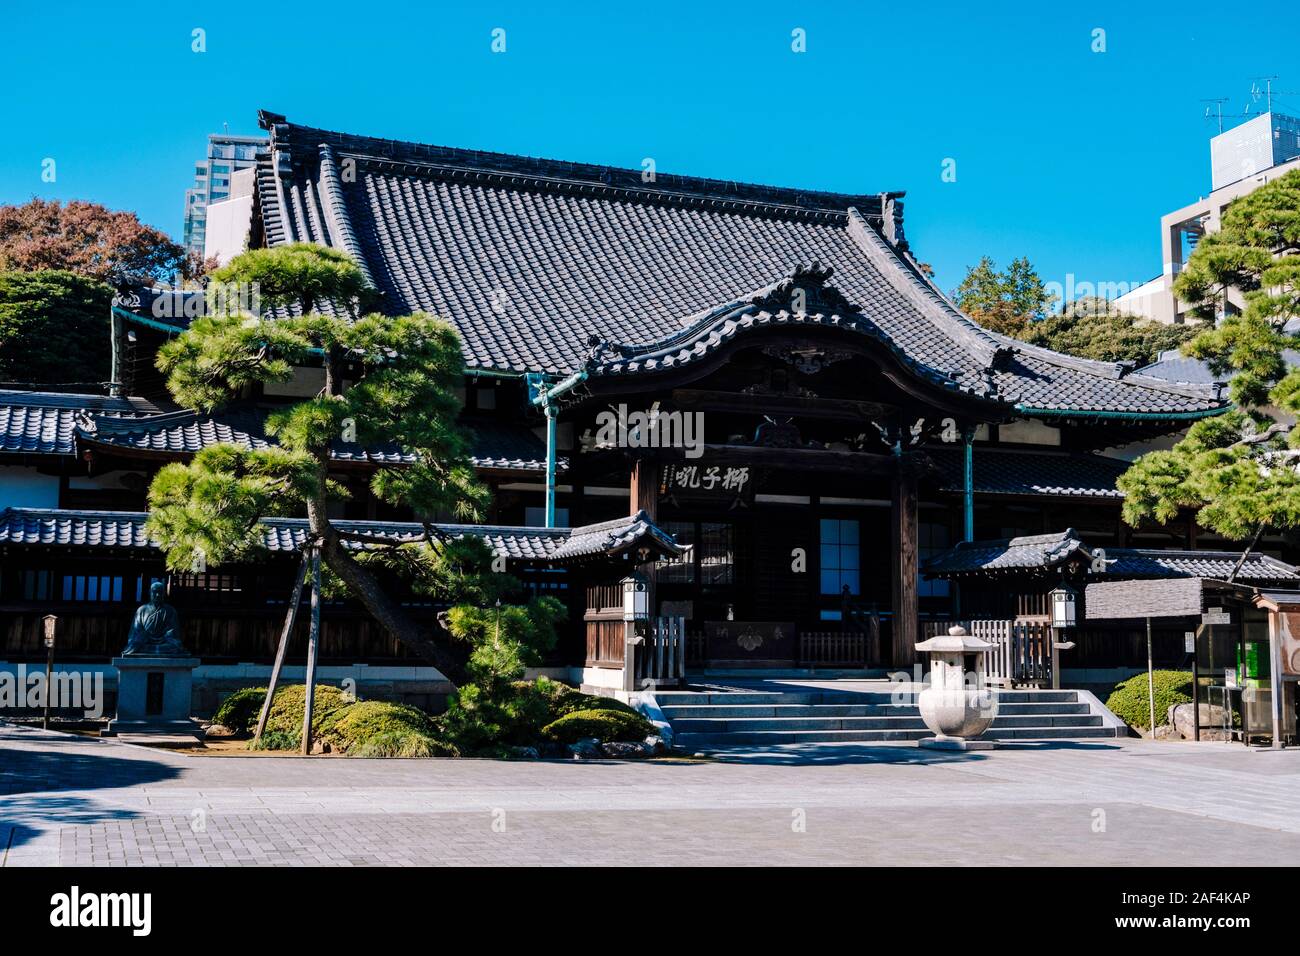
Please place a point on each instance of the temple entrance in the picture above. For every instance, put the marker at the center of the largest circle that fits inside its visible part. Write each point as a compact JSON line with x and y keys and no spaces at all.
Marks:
{"x":781,"y":580}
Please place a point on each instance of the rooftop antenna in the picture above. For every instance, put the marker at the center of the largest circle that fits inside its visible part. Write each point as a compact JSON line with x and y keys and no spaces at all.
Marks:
{"x":1268,"y":90}
{"x":225,"y":128}
{"x":1217,"y":108}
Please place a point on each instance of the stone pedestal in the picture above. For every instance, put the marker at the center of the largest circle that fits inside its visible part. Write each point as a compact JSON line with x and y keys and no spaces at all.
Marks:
{"x":153,"y":697}
{"x":940,"y":742}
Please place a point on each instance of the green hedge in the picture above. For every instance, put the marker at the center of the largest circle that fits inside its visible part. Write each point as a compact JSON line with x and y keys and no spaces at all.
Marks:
{"x":375,"y":728}
{"x":240,"y":710}
{"x":563,"y":700}
{"x":604,"y":725}
{"x":541,"y":710}
{"x":1129,"y":701}
{"x":285,"y":718}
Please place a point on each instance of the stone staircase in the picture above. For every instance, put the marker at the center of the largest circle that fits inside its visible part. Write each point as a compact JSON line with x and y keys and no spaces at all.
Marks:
{"x":714,"y":716}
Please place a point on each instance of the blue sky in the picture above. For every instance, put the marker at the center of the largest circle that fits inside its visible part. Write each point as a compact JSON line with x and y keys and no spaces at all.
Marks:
{"x":1062,"y":154}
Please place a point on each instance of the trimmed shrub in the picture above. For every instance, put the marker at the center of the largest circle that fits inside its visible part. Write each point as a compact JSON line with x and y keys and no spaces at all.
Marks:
{"x":565,"y":700}
{"x":375,"y":728}
{"x":1130,"y":702}
{"x":240,"y":710}
{"x":605,"y":725}
{"x":287,"y":707}
{"x":401,"y":745}
{"x":277,"y":740}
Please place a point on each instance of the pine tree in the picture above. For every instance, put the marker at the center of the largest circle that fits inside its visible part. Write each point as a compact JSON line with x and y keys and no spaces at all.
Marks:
{"x":1238,"y":470}
{"x":207,"y":510}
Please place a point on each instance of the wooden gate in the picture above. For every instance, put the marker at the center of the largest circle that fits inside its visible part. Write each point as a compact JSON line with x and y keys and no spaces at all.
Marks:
{"x":661,"y":655}
{"x":1021,"y":655}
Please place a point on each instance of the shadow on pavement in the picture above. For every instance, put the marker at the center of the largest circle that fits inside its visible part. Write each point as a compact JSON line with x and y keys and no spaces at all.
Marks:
{"x":867,"y":753}
{"x":34,"y":767}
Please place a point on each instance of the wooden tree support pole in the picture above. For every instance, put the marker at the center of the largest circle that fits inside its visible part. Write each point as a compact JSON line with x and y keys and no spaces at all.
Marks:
{"x":313,"y":641}
{"x":289,"y":618}
{"x":1151,"y":681}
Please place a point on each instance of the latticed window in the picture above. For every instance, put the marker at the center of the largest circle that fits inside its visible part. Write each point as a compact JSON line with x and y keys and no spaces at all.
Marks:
{"x":710,"y":557}
{"x":679,"y":570}
{"x":841,"y":556}
{"x":933,"y":539}
{"x":92,"y":587}
{"x":716,"y":554}
{"x":38,"y":585}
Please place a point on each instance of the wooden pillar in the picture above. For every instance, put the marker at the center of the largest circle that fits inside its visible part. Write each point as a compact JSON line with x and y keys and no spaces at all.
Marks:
{"x":905,"y":545}
{"x":644,"y":489}
{"x":644,"y":496}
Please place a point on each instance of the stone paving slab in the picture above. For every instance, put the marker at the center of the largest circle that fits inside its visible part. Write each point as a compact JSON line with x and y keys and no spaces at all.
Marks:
{"x":80,"y":800}
{"x":1059,"y":834}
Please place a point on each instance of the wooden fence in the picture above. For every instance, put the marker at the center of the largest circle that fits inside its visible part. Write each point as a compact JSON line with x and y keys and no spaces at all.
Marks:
{"x":1021,"y":654}
{"x":661,"y":656}
{"x":816,"y":648}
{"x":838,"y":648}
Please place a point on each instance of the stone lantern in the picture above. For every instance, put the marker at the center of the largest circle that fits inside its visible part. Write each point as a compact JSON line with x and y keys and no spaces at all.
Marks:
{"x":954,"y":711}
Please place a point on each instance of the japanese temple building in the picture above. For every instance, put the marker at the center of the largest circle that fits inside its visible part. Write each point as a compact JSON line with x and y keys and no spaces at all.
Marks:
{"x":822,"y":420}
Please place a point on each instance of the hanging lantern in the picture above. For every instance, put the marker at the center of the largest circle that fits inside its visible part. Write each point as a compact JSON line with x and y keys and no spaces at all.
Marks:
{"x":1064,"y":607}
{"x":636,"y":597}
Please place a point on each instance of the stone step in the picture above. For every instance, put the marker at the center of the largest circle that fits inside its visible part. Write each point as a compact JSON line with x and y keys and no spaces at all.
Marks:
{"x":1013,"y":709}
{"x":704,"y":741}
{"x":672,"y":698}
{"x":1052,"y":733}
{"x":743,"y":725}
{"x":676,"y":712}
{"x":729,"y":725}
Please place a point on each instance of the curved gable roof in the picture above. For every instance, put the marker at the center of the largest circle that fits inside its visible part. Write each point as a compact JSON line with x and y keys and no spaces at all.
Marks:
{"x":530,"y":258}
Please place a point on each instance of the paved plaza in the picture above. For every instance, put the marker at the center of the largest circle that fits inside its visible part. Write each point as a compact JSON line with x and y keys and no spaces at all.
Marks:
{"x":77,"y":800}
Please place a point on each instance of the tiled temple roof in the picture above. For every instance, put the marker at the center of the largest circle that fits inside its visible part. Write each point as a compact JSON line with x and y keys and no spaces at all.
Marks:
{"x":1047,"y":551}
{"x":534,"y":260}
{"x":619,"y":536}
{"x":999,"y":471}
{"x":44,"y":423}
{"x":50,"y":423}
{"x":126,"y":529}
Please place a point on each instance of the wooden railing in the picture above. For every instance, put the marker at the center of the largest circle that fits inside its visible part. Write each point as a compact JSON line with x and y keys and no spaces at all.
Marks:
{"x":661,"y":655}
{"x":838,"y":648}
{"x":1021,"y":654}
{"x":816,"y":648}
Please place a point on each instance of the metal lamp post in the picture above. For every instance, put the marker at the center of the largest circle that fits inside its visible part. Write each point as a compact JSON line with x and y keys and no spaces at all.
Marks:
{"x":51,"y":623}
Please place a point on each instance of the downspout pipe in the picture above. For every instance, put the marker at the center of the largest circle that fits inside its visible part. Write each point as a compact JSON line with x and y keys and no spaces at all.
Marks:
{"x":114,"y":383}
{"x":968,"y":484}
{"x":552,"y":413}
{"x":546,"y":398}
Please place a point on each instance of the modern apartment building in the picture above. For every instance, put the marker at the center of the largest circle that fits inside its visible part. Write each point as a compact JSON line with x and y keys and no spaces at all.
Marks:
{"x":212,"y":177}
{"x":1241,"y":160}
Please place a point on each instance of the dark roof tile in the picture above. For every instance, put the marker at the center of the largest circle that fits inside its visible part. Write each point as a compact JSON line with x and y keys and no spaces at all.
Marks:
{"x":1046,"y":551}
{"x":44,"y":423}
{"x":528,"y":258}
{"x":126,"y":529}
{"x":497,"y":445}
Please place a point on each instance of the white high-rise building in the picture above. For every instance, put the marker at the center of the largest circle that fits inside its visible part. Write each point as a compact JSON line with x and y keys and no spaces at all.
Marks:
{"x":226,"y":155}
{"x":1241,"y":160}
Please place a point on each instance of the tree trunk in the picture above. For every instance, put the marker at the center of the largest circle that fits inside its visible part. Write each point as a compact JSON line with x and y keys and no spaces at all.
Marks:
{"x":1236,"y":569}
{"x":391,"y":616}
{"x":365,"y":587}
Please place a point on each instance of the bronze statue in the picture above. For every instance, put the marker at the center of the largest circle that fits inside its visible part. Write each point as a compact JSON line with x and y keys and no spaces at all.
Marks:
{"x":156,"y":628}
